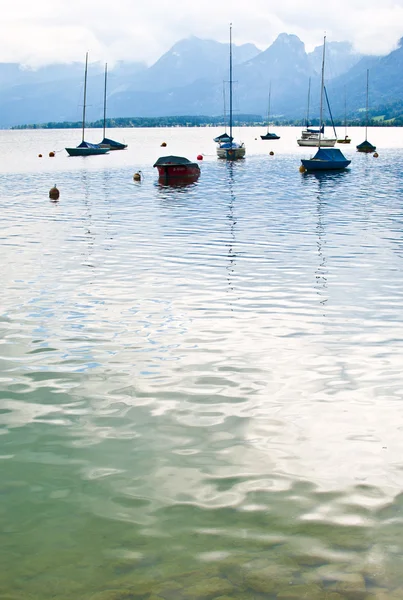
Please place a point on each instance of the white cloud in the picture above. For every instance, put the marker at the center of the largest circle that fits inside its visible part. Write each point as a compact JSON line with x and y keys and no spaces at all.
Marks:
{"x":62,"y":31}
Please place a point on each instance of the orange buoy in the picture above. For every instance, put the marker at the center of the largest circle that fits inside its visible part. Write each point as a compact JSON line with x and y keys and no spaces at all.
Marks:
{"x":375,"y":155}
{"x":51,"y":154}
{"x":39,"y":155}
{"x":302,"y":169}
{"x":137,"y":176}
{"x":200,"y":157}
{"x":54,"y":193}
{"x":163,"y":144}
{"x":271,"y":153}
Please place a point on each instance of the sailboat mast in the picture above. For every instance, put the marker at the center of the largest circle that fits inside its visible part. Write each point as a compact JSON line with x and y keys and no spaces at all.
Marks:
{"x":309,"y":100}
{"x":225,"y":108}
{"x":345,"y":111}
{"x":321,"y":91}
{"x":230,"y":82}
{"x":85,"y":92}
{"x":366,"y":122}
{"x":268,"y":110}
{"x":106,"y":76}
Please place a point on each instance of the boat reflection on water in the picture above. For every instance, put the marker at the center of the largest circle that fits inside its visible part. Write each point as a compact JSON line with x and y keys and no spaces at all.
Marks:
{"x":177,"y":182}
{"x":325,"y":176}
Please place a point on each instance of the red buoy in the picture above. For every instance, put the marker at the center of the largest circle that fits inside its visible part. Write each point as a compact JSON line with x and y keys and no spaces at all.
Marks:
{"x":199,"y":157}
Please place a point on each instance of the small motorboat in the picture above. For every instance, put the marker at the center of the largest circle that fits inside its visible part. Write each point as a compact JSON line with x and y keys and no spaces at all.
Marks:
{"x":176,"y":168}
{"x":345,"y":140}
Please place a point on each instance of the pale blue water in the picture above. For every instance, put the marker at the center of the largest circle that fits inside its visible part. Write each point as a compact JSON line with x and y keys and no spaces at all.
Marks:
{"x":200,"y":387}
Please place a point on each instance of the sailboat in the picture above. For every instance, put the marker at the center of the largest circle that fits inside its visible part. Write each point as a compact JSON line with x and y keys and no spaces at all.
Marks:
{"x":224,"y":137}
{"x":326,"y":159}
{"x":346,"y":139}
{"x":227,"y":148}
{"x":309,"y":135}
{"x":366,"y":146}
{"x":269,"y":135}
{"x":85,"y":148}
{"x":106,"y":142}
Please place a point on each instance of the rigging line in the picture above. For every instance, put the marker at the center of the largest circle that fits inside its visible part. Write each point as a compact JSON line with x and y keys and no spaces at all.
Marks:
{"x":330,"y":112}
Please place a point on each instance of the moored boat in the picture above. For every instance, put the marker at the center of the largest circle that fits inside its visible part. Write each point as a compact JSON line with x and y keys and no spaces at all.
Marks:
{"x":106,"y":142}
{"x":112,"y":144}
{"x":227,"y":148}
{"x":346,"y":139}
{"x":325,"y":159}
{"x":366,"y":146}
{"x":231,"y":150}
{"x":269,"y":135}
{"x":85,"y":148}
{"x":176,"y":168}
{"x":310,"y":137}
{"x":224,"y":137}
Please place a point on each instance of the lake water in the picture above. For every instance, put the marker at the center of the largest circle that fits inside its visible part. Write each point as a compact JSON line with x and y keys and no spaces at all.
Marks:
{"x":201,"y":387}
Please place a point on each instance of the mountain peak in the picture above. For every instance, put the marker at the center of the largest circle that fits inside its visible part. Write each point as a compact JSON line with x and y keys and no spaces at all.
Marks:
{"x":289,"y":39}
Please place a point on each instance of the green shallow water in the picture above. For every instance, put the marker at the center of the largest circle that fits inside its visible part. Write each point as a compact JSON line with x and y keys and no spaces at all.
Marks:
{"x":200,"y":387}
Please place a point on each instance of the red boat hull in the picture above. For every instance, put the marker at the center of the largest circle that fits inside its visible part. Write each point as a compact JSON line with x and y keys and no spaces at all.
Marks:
{"x":173,"y":172}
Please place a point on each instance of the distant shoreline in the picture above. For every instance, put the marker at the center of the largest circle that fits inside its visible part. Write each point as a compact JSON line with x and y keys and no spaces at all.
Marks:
{"x":202,"y":121}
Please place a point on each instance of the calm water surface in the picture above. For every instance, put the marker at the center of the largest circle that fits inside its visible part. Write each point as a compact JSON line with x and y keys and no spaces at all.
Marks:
{"x":200,"y":387}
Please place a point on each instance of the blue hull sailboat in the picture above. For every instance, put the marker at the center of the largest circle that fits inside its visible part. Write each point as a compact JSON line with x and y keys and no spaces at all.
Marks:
{"x":106,"y":142}
{"x":326,"y":159}
{"x":227,"y":148}
{"x":85,"y":148}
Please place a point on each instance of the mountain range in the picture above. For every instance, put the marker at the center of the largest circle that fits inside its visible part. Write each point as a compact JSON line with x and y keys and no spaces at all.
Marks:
{"x":190,"y":79}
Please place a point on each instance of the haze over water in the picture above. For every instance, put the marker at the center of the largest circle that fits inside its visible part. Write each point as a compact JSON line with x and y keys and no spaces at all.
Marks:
{"x":200,"y":387}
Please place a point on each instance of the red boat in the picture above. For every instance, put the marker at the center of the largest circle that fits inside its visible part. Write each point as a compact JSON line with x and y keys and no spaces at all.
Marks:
{"x":176,"y":168}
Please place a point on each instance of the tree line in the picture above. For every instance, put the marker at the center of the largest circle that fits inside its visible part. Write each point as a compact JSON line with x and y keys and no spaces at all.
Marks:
{"x":390,"y":115}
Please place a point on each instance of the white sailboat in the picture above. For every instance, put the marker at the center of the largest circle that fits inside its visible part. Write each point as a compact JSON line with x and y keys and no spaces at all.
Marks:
{"x":310,"y":136}
{"x":228,"y":148}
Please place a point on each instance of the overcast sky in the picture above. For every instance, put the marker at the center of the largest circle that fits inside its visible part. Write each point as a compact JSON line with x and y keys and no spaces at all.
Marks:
{"x":44,"y":31}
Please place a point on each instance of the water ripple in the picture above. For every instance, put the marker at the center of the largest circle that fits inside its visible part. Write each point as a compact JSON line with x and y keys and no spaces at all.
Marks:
{"x":216,"y":367}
